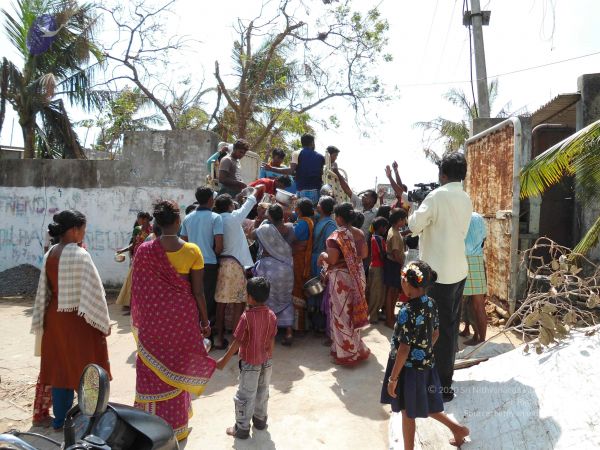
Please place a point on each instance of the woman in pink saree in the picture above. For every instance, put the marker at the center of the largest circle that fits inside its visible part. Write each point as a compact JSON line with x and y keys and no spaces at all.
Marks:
{"x":348,"y":310}
{"x":166,"y":305}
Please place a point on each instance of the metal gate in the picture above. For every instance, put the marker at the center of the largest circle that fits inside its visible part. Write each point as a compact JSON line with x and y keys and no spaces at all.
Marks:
{"x":494,"y":159}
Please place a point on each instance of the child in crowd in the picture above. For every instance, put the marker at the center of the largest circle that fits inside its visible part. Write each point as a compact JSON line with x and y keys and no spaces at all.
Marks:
{"x":412,"y":244}
{"x":359,"y":220}
{"x":411,"y":383}
{"x":393,"y":263}
{"x":190,"y":208}
{"x":254,"y":336}
{"x":375,"y":286}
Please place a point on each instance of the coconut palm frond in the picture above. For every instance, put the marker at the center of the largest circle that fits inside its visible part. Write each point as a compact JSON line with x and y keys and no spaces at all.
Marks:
{"x":590,"y":239}
{"x":12,"y":80}
{"x":67,"y":68}
{"x":548,"y":168}
{"x":587,"y":167}
{"x":17,"y":25}
{"x":76,"y":87}
{"x":59,"y":129}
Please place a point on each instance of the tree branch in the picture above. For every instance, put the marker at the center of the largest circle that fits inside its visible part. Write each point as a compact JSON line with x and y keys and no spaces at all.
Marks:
{"x":233,"y":105}
{"x":267,"y":130}
{"x":324,"y":99}
{"x":217,"y":107}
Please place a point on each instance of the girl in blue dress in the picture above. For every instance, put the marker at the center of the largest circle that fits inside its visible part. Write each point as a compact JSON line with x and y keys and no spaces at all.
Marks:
{"x":411,"y":384}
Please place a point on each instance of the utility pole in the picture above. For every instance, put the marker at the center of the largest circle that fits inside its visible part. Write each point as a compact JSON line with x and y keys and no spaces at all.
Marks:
{"x":477,"y":18}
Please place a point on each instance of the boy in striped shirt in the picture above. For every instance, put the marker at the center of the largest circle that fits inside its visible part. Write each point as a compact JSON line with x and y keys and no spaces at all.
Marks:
{"x":254,"y":336}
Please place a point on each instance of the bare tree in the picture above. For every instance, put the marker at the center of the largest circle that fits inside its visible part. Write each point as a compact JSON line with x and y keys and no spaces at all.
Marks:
{"x":141,"y":48}
{"x":288,"y":64}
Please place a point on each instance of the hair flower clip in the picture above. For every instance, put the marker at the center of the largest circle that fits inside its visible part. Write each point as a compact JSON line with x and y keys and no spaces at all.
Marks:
{"x":415,"y":269}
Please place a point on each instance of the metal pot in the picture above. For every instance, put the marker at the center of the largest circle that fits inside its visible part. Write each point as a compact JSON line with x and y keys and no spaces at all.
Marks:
{"x":284,"y":197}
{"x":314,"y":286}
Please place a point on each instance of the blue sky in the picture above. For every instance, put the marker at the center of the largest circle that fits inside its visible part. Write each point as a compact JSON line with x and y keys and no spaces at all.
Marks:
{"x":431,"y":53}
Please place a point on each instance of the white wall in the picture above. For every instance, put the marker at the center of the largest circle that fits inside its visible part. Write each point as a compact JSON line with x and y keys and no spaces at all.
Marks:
{"x":26,"y":211}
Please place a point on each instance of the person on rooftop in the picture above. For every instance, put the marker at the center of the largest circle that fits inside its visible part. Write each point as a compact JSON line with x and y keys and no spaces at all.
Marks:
{"x":308,"y":169}
{"x":230,"y":172}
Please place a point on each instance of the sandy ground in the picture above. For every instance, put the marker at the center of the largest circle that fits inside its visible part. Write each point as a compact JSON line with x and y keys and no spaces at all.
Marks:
{"x":313,"y":403}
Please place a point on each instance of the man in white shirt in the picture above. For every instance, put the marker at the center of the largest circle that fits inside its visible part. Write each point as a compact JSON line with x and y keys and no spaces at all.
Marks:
{"x":442,"y":222}
{"x":234,"y":259}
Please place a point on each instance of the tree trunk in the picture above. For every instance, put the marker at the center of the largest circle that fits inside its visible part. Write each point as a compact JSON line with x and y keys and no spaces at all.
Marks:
{"x":241,"y":126}
{"x":28,"y":129}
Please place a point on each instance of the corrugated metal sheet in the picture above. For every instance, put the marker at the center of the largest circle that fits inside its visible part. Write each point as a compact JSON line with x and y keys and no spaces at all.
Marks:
{"x":561,"y":109}
{"x":489,"y":183}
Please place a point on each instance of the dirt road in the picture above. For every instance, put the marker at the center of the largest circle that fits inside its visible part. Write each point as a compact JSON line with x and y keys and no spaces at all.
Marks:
{"x":314,"y":404}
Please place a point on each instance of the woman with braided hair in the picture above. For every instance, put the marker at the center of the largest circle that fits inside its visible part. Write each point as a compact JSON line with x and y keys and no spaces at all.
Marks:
{"x":169,"y":323}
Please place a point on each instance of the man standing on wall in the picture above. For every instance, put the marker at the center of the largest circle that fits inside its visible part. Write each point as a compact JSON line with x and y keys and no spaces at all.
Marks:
{"x":308,"y":170}
{"x":204,"y":228}
{"x":364,"y":203}
{"x":230,"y":170}
{"x":442,"y":222}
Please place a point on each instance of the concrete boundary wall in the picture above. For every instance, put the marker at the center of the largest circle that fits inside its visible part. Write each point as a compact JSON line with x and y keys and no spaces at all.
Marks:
{"x":111,"y":212}
{"x":156,"y":165}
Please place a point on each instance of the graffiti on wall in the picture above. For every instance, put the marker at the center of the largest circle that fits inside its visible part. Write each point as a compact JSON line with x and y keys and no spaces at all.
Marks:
{"x":26,"y":213}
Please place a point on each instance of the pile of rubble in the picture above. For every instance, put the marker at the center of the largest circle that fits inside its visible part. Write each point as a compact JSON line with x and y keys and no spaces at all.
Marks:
{"x":19,"y":281}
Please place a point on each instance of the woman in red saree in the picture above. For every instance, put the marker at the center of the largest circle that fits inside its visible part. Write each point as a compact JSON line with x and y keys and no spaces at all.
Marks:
{"x":346,"y":248}
{"x":167,"y":299}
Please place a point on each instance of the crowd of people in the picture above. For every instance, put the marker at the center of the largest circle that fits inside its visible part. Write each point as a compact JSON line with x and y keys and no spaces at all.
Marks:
{"x":240,"y":260}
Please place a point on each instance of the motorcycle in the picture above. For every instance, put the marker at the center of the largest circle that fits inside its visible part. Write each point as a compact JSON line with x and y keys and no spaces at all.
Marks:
{"x":94,"y":423}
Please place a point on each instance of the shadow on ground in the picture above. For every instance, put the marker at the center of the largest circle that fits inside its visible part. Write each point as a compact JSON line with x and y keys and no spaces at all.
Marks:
{"x":26,"y":301}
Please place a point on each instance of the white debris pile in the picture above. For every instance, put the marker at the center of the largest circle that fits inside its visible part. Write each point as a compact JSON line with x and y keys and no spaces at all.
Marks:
{"x":519,"y":401}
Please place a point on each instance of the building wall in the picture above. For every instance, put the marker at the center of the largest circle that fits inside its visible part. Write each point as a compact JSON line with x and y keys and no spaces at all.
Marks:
{"x":489,"y":183}
{"x":156,"y":165}
{"x":7,"y":152}
{"x":111,"y":212}
{"x":588,"y":111}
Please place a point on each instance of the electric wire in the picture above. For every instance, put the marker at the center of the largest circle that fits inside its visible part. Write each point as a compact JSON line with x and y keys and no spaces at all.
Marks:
{"x":446,"y":38}
{"x":428,"y":35}
{"x":512,"y":72}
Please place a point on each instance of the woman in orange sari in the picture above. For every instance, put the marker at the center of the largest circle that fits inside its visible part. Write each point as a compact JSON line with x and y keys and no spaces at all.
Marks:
{"x":302,"y":252}
{"x":346,"y":248}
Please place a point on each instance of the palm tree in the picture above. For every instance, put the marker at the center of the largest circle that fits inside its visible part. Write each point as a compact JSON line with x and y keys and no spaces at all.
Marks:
{"x":454,"y":134}
{"x":122,"y":113}
{"x":258,"y":108}
{"x":64,"y":29}
{"x":577,"y":155}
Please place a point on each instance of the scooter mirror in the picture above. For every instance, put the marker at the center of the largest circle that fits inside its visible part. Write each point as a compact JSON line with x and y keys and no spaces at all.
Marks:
{"x":94,"y":390}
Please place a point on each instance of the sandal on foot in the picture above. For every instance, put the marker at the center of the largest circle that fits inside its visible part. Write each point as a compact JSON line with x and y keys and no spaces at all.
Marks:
{"x":237,"y":432}
{"x":287,"y":341}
